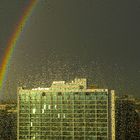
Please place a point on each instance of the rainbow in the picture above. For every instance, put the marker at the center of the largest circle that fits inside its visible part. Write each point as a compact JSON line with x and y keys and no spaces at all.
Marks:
{"x":11,"y":45}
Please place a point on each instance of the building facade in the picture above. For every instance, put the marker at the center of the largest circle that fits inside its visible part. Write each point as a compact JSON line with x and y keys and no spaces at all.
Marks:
{"x":127,"y":118}
{"x":8,"y":119}
{"x":66,"y":111}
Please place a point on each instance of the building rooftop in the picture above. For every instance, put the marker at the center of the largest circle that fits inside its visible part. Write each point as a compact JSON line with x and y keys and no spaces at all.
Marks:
{"x":77,"y":85}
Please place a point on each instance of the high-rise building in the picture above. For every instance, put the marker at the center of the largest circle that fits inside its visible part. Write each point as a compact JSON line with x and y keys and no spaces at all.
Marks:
{"x":66,"y":111}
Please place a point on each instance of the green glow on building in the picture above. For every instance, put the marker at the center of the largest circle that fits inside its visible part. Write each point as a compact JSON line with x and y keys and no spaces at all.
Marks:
{"x":65,"y":111}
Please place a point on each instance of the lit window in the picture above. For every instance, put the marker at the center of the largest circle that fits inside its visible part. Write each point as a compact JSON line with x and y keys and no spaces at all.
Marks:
{"x":49,"y":106}
{"x":44,"y":106}
{"x":34,"y":110}
{"x":55,"y":106}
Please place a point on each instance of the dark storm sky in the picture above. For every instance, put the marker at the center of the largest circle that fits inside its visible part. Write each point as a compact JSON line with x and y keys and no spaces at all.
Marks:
{"x":63,"y":39}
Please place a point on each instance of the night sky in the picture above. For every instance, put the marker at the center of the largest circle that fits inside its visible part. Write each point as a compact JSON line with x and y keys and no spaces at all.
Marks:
{"x":64,"y":39}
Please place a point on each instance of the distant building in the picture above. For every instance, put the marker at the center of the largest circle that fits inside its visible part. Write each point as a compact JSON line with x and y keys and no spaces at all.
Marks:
{"x":8,"y":122}
{"x":68,"y":111}
{"x":3,"y":107}
{"x":127,"y":118}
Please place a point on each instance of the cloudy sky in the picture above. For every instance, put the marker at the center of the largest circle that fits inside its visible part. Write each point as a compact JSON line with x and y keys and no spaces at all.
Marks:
{"x":64,"y":39}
